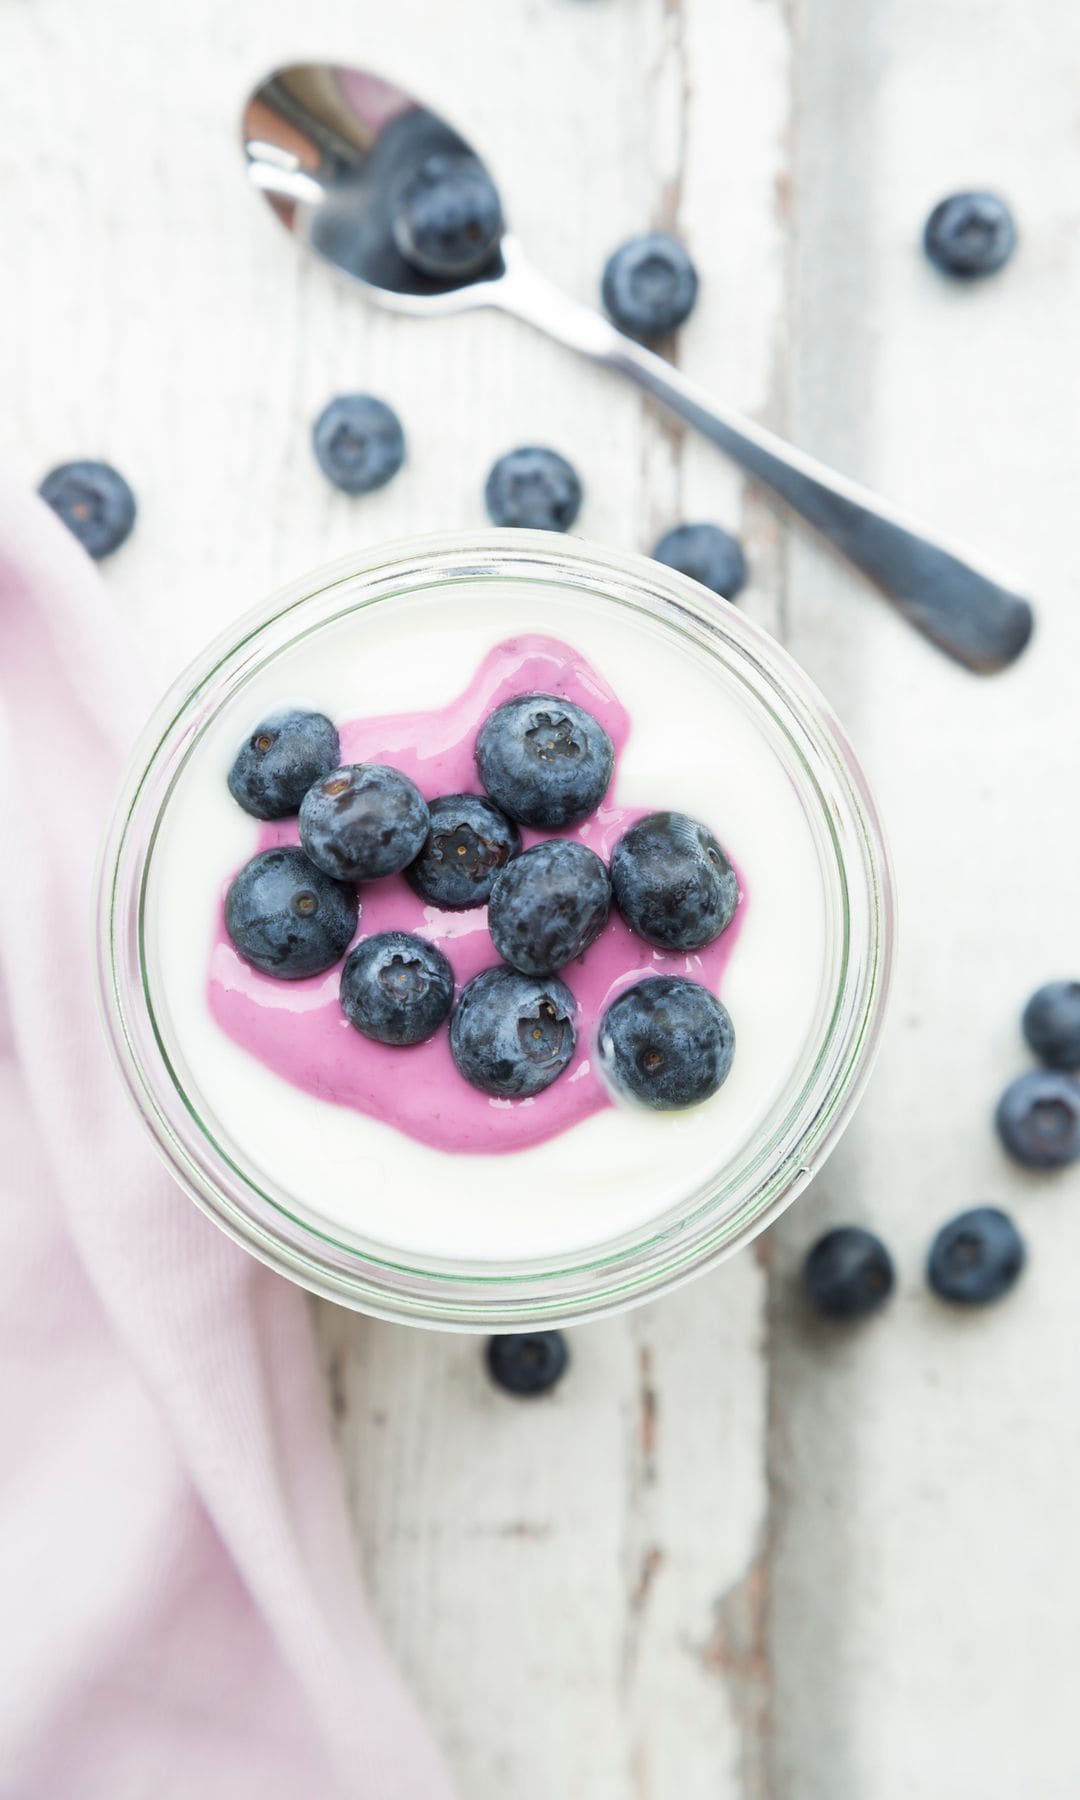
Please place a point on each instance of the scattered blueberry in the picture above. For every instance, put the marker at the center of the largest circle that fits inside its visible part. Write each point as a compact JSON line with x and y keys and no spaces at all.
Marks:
{"x":667,"y":1042}
{"x":975,"y":1258}
{"x":545,"y":761}
{"x":848,"y":1273}
{"x":359,"y":443}
{"x":95,"y":503}
{"x":1052,"y":1024}
{"x":1038,"y":1119}
{"x":468,"y":842}
{"x":512,"y":1035}
{"x":396,"y":988}
{"x":707,"y":554}
{"x":970,"y":234}
{"x":362,"y":821}
{"x":282,"y":758}
{"x":649,"y":285}
{"x":673,"y":883}
{"x":446,"y":218}
{"x":533,"y":489}
{"x":527,"y":1362}
{"x":288,"y":918}
{"x":549,"y":905}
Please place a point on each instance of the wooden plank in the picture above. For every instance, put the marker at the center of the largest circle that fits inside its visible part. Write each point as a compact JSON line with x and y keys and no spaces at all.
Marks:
{"x":924,"y":1625}
{"x":576,"y":1589}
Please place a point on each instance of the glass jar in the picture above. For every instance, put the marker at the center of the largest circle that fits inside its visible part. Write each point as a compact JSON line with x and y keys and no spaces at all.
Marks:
{"x":741,"y":1197}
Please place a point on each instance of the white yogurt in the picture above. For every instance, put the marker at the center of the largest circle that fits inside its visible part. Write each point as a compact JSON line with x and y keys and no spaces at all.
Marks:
{"x":695,"y":746}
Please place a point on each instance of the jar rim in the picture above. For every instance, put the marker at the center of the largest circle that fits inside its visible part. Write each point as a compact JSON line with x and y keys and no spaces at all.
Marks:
{"x":649,"y":1260}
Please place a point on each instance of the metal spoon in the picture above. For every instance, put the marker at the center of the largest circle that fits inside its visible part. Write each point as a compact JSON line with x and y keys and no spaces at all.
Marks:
{"x":328,"y":144}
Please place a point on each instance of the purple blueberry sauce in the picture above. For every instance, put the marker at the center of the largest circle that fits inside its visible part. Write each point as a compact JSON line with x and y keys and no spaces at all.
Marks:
{"x":297,"y":1028}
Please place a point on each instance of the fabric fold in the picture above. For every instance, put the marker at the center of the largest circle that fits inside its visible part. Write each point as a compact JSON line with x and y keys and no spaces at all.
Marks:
{"x":183,"y":1613}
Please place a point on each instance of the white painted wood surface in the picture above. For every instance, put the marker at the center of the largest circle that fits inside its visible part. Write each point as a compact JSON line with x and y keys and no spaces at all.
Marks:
{"x":732,"y":1556}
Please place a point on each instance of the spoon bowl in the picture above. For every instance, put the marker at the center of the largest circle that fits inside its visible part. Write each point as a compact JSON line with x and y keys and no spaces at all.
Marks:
{"x":329,"y":147}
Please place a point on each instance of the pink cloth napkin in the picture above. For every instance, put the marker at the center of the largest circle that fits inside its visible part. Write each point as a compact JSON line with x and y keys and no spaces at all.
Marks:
{"x":180,"y":1616}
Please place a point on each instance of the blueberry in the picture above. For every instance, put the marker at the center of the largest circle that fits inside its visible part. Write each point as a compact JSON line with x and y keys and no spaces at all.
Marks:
{"x":707,"y":554}
{"x":649,"y":285}
{"x":95,"y":503}
{"x":363,"y":820}
{"x":534,"y":489}
{"x":512,"y":1035}
{"x":673,"y":883}
{"x":288,"y":918}
{"x":970,"y":235}
{"x":446,"y":217}
{"x":527,"y":1362}
{"x":548,"y":906}
{"x":848,"y":1273}
{"x":359,"y":443}
{"x":396,"y":988}
{"x":282,"y":758}
{"x":667,"y":1042}
{"x":976,"y":1257}
{"x":545,"y":761}
{"x":1038,"y":1119}
{"x":468,"y":842}
{"x":1052,"y":1024}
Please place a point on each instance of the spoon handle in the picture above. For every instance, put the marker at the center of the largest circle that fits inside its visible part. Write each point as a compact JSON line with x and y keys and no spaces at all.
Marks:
{"x":967,"y":613}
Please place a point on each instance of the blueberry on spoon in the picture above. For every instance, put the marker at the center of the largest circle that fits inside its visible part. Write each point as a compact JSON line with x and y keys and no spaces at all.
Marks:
{"x":446,"y":216}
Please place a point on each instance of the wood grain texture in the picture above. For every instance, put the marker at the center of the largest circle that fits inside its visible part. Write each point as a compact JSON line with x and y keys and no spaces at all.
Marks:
{"x":925,"y":1628}
{"x":731,"y":1556}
